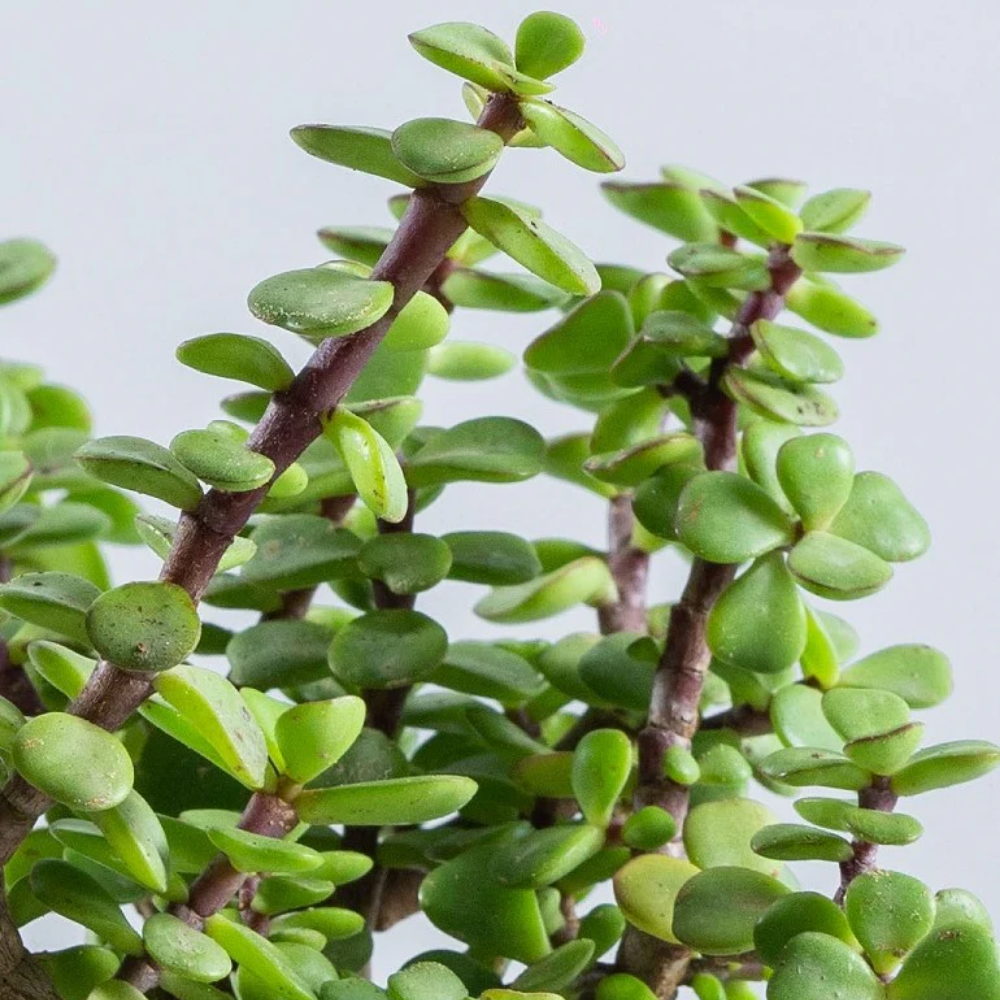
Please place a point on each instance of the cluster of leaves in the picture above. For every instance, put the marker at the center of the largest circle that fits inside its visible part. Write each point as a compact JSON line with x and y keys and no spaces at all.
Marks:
{"x":325,"y":761}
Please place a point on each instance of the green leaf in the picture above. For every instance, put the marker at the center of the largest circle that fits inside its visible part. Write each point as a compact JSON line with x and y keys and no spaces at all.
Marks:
{"x":320,"y":302}
{"x":144,"y":626}
{"x":300,"y":550}
{"x":79,"y":897}
{"x":731,"y":218}
{"x":234,"y":355}
{"x":468,"y":51}
{"x":407,"y":563}
{"x":586,"y":340}
{"x":951,"y":963}
{"x":392,"y":802}
{"x":75,"y":972}
{"x":500,"y":292}
{"x":795,"y":842}
{"x":835,"y":211}
{"x":487,"y":449}
{"x":387,"y":649}
{"x":602,"y":763}
{"x":445,"y":151}
{"x":25,"y":265}
{"x":610,"y":669}
{"x":646,"y":890}
{"x":136,"y":835}
{"x":461,"y":899}
{"x":719,"y":834}
{"x":496,"y":558}
{"x":488,"y":671}
{"x":889,"y":913}
{"x":830,"y":310}
{"x":836,"y":568}
{"x":141,"y":466}
{"x":57,"y":601}
{"x":716,"y":911}
{"x":357,"y":147}
{"x":533,"y":244}
{"x":583,"y":581}
{"x":253,"y":852}
{"x":216,"y":457}
{"x":159,"y":534}
{"x":816,"y":473}
{"x":798,"y":719}
{"x":875,"y":827}
{"x":816,"y":966}
{"x":671,"y":208}
{"x":957,"y":906}
{"x":465,"y":361}
{"x":830,"y":252}
{"x":547,"y":43}
{"x":770,"y":214}
{"x":795,"y":354}
{"x":774,"y":399}
{"x":214,"y":707}
{"x":175,"y":946}
{"x":364,"y":244}
{"x":655,"y":501}
{"x":634,"y":465}
{"x":717,"y":266}
{"x":426,"y":981}
{"x":16,"y":472}
{"x":920,"y":675}
{"x":73,"y":761}
{"x":804,"y":766}
{"x":649,"y":829}
{"x":878,"y":517}
{"x":279,"y":654}
{"x":945,"y":765}
{"x":314,"y":736}
{"x":759,"y":622}
{"x":545,"y":856}
{"x":725,"y":518}
{"x":859,"y":713}
{"x":574,"y":137}
{"x":799,"y":913}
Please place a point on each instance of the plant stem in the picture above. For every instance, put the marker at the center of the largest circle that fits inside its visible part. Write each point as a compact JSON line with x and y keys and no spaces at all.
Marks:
{"x":630,"y":569}
{"x":431,"y":224}
{"x":880,"y":796}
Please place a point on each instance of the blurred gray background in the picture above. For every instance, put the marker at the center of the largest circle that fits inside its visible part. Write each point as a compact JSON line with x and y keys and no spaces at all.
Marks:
{"x":147,"y":145}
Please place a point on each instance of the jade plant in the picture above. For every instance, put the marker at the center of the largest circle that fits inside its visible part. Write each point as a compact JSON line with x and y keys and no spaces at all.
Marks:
{"x":234,"y":775}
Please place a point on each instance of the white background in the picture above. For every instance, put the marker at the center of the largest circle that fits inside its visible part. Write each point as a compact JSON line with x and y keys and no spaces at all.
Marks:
{"x":147,"y":144}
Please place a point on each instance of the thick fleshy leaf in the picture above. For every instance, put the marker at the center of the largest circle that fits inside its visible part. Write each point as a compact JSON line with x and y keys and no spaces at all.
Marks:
{"x":717,"y":266}
{"x":237,"y":356}
{"x":487,"y":449}
{"x":73,"y":761}
{"x":547,"y":43}
{"x":920,"y":675}
{"x":175,"y":946}
{"x":446,"y":151}
{"x":798,"y":719}
{"x":300,"y":550}
{"x":468,"y":51}
{"x":817,"y":966}
{"x":719,"y":834}
{"x":496,"y":558}
{"x":279,"y":654}
{"x":144,"y":626}
{"x":799,"y":913}
{"x":464,"y":361}
{"x":759,"y":622}
{"x":646,"y":891}
{"x":218,"y":458}
{"x":461,"y":899}
{"x":634,"y":465}
{"x":320,"y":302}
{"x":835,"y":211}
{"x":357,"y":147}
{"x":775,"y":399}
{"x":857,"y":713}
{"x":574,"y":137}
{"x":75,"y":972}
{"x":396,"y":801}
{"x":649,"y":828}
{"x":945,"y":765}
{"x":214,"y":707}
{"x":830,"y":310}
{"x":893,"y":829}
{"x":141,"y":466}
{"x":889,"y":913}
{"x":951,"y":963}
{"x":796,"y":842}
{"x":795,"y":354}
{"x":725,"y":518}
{"x":770,"y":214}
{"x":136,"y":835}
{"x":583,"y":581}
{"x":533,"y":244}
{"x":159,"y":534}
{"x":716,"y":911}
{"x":836,"y":568}
{"x":816,"y":473}
{"x":587,"y":340}
{"x":672,"y":208}
{"x":602,"y":763}
{"x":25,"y":265}
{"x":545,"y":856}
{"x":470,"y":289}
{"x":57,"y":601}
{"x":406,"y":562}
{"x":830,"y":252}
{"x":878,"y":517}
{"x":314,"y":736}
{"x":488,"y":671}
{"x":655,"y":501}
{"x":16,"y":471}
{"x":72,"y":893}
{"x":253,"y":852}
{"x":731,"y":218}
{"x":364,"y":244}
{"x":387,"y":649}
{"x":804,"y":766}
{"x":608,"y":668}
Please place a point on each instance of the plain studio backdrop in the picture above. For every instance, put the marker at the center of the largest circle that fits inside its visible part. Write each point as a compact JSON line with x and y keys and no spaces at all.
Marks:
{"x":148,"y":146}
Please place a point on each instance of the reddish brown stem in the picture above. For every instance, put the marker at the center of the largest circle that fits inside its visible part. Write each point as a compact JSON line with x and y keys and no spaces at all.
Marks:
{"x":630,"y":569}
{"x":880,"y":796}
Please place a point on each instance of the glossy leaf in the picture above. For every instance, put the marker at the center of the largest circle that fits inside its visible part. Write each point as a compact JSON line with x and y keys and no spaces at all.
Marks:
{"x":276,"y":654}
{"x":836,"y":568}
{"x":669,"y":207}
{"x":878,"y":517}
{"x":830,"y":310}
{"x":945,"y":765}
{"x":488,"y":671}
{"x":299,"y":550}
{"x":602,"y":763}
{"x":360,"y":148}
{"x":920,"y":675}
{"x":814,"y":965}
{"x":314,"y":736}
{"x":216,"y":458}
{"x":574,"y":137}
{"x":646,"y":890}
{"x":496,"y":558}
{"x":951,"y":963}
{"x":407,"y":562}
{"x":805,"y":766}
{"x":57,"y":601}
{"x":445,"y":151}
{"x":719,"y":834}
{"x":237,"y":356}
{"x":774,"y":399}
{"x":587,"y":340}
{"x":464,"y":361}
{"x":159,"y":534}
{"x":468,"y":51}
{"x":136,"y":835}
{"x":254,"y":852}
{"x":547,"y":43}
{"x":545,"y":856}
{"x":479,"y":289}
{"x":175,"y":946}
{"x":835,"y":211}
{"x":795,"y":354}
{"x":795,"y":842}
{"x":798,"y":913}
{"x":717,"y":266}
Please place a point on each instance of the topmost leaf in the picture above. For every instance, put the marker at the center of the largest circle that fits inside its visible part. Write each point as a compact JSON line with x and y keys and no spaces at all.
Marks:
{"x":24,"y":266}
{"x":547,"y":43}
{"x":468,"y":51}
